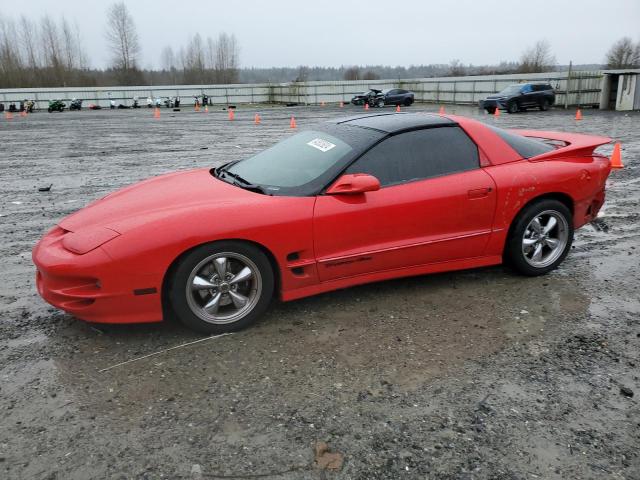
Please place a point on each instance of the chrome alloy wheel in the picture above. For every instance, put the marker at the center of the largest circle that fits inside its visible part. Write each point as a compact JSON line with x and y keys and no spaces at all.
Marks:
{"x":545,"y":238}
{"x":223,"y":288}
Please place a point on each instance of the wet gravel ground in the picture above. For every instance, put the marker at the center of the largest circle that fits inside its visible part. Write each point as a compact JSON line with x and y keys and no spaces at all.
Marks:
{"x":469,"y":375}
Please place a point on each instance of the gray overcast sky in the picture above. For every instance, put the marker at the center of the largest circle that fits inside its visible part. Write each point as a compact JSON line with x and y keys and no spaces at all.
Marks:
{"x":333,"y":33}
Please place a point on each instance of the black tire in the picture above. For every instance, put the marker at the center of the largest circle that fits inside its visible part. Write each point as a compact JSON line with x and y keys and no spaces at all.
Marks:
{"x":514,"y":254}
{"x":407,"y":102}
{"x":513,"y":107}
{"x":544,"y":105}
{"x":380,"y":103}
{"x":491,"y":110}
{"x":181,"y":274}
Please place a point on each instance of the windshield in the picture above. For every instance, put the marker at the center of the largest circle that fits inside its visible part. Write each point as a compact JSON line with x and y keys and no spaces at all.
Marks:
{"x":511,"y":89}
{"x":295,"y":165}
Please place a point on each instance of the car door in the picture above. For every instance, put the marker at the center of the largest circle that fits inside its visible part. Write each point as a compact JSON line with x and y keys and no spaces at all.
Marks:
{"x":392,"y":96}
{"x":528,"y":96}
{"x":435,"y":204}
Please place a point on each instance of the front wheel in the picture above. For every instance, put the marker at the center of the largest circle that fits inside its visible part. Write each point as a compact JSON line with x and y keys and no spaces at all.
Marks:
{"x":221,"y":287}
{"x":540,"y":238}
{"x":380,"y":103}
{"x":491,"y":110}
{"x":513,"y":107}
{"x":407,"y":102}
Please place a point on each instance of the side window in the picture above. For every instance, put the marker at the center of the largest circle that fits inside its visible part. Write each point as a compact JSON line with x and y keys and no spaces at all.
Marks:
{"x":526,"y":89}
{"x":392,"y":92}
{"x":417,"y":155}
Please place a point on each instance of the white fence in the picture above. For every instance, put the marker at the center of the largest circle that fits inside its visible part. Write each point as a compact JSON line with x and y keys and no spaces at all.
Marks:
{"x":581,"y":88}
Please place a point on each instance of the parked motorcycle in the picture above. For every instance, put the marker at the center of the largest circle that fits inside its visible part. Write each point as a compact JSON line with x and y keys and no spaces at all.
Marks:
{"x":56,"y":106}
{"x":30,"y":105}
{"x":76,"y":104}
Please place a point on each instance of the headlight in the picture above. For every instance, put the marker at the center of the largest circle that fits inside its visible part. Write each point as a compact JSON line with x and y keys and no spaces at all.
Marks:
{"x":88,"y":239}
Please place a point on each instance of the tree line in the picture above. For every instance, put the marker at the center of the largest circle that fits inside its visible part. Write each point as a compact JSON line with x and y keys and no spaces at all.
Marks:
{"x":49,"y":53}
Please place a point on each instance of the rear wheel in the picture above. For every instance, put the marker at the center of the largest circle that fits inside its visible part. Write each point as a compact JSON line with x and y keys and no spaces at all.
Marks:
{"x":221,"y":287}
{"x":513,"y":107}
{"x":540,"y":238}
{"x":491,"y":110}
{"x":407,"y":102}
{"x":544,"y":105}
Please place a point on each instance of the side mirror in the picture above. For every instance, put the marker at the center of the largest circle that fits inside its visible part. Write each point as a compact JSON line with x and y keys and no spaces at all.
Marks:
{"x":353,"y":183}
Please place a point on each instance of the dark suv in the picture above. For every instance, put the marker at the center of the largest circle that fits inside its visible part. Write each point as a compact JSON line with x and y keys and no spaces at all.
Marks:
{"x":516,"y":98}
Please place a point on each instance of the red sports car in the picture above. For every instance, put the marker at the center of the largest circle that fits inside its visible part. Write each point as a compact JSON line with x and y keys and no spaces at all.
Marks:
{"x":352,"y":201}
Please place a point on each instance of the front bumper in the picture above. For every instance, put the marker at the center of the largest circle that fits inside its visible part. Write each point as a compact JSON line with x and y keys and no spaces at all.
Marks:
{"x":92,"y":286}
{"x":493,"y":103}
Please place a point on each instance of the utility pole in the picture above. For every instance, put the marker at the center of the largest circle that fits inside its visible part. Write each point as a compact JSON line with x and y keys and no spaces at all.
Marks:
{"x":568,"y":87}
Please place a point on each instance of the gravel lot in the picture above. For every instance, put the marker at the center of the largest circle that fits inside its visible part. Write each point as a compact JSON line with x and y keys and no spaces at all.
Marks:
{"x":470,"y":375}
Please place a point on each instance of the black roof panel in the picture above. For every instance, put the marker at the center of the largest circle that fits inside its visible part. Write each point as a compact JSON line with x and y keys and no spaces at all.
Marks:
{"x":394,"y":122}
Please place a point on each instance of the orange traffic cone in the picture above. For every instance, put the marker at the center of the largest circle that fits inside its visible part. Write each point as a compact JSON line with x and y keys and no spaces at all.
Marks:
{"x":292,"y":123}
{"x":579,"y":115}
{"x":206,"y":109}
{"x":441,"y":111}
{"x":197,"y":107}
{"x":8,"y":115}
{"x":397,"y":108}
{"x":341,"y":104}
{"x":256,"y":119}
{"x":322,"y":103}
{"x":23,"y":113}
{"x":366,"y":106}
{"x":616,"y":157}
{"x":156,"y":113}
{"x":232,"y":114}
{"x":496,"y":112}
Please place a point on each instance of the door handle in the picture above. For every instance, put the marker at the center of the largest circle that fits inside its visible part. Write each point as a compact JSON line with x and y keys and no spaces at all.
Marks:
{"x":479,"y":192}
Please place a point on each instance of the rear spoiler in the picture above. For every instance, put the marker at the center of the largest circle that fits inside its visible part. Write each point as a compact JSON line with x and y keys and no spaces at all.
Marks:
{"x":567,"y":144}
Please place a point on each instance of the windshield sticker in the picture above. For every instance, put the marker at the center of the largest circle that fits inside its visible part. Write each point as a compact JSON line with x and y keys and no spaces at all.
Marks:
{"x":320,"y":144}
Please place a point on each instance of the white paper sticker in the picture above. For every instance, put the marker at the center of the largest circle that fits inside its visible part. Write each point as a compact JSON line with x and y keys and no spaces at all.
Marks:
{"x":320,"y":144}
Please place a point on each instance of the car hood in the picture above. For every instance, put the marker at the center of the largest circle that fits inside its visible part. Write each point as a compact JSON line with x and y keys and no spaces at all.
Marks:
{"x":156,"y":198}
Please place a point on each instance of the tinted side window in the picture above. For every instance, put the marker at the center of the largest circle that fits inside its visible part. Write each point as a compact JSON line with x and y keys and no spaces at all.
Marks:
{"x":417,"y":155}
{"x":525,"y":146}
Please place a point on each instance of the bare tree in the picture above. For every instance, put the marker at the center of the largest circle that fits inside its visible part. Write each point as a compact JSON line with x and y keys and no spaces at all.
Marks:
{"x":370,"y":75}
{"x":456,"y":69}
{"x":352,"y":73}
{"x":303,"y":74}
{"x":537,"y":58}
{"x":52,"y":53}
{"x":10,"y":61}
{"x":227,"y":58}
{"x":169,"y":62}
{"x":28,"y":42}
{"x":624,"y":54}
{"x":122,"y":37}
{"x":194,"y":61}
